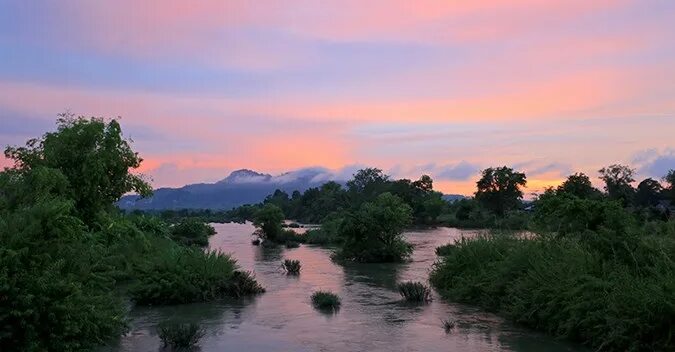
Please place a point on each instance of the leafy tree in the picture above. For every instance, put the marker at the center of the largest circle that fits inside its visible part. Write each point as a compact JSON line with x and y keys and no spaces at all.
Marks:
{"x":93,"y":156}
{"x":578,"y":185}
{"x":268,"y":219}
{"x":670,"y":180}
{"x":374,"y":231}
{"x":499,"y":189}
{"x":618,"y":179}
{"x":367,"y":184}
{"x":648,"y":193}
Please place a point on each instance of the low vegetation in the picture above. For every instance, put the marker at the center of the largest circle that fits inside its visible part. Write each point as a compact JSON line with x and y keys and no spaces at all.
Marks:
{"x":180,"y":337}
{"x":291,"y":267}
{"x":192,"y":232}
{"x":610,"y":290}
{"x":413,"y":291}
{"x":326,"y":300}
{"x":184,"y":275}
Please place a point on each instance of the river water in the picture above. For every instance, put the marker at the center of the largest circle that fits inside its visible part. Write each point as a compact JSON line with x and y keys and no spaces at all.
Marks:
{"x":372,"y":317}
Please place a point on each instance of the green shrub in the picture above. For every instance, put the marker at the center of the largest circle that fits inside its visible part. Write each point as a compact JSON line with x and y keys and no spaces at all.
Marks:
{"x":192,"y":232}
{"x":414,"y":291}
{"x":175,"y":275}
{"x":374,"y":232}
{"x":575,"y":287}
{"x":55,"y":295}
{"x":292,"y":267}
{"x":326,"y":300}
{"x":180,"y":336}
{"x":327,"y":234}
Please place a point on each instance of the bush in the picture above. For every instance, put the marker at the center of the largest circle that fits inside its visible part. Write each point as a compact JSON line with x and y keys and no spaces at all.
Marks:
{"x":575,"y":287}
{"x":192,"y":232}
{"x":292,"y":267}
{"x":175,"y":275}
{"x":180,"y":336}
{"x":54,"y":293}
{"x":327,"y":234}
{"x":325,"y":300}
{"x":374,"y":232}
{"x":414,"y":291}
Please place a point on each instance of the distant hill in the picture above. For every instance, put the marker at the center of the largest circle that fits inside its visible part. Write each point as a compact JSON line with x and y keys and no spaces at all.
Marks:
{"x":240,"y":187}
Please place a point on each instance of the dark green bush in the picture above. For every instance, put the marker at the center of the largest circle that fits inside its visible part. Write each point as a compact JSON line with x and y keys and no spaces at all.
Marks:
{"x":414,"y":291}
{"x":192,"y":232}
{"x":182,"y":275}
{"x":374,"y":232}
{"x":180,"y":336}
{"x":326,"y":300}
{"x":574,"y":287}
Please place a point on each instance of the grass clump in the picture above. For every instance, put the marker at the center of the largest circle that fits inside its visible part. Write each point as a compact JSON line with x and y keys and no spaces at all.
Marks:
{"x":177,"y":275}
{"x":414,"y":291}
{"x":292,"y":267}
{"x":180,"y":337}
{"x":448,"y":325}
{"x":326,"y":300}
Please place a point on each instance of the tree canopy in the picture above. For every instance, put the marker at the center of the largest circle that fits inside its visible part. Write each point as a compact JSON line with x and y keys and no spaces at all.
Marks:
{"x":499,"y":189}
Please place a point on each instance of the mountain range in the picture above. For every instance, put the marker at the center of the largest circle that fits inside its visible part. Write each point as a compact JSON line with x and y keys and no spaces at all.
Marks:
{"x":240,"y":187}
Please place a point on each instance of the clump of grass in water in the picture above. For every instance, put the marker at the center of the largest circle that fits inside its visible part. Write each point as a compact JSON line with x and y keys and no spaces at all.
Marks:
{"x":448,"y":325}
{"x":292,"y":267}
{"x":414,"y":291}
{"x":180,"y":337}
{"x":326,"y":300}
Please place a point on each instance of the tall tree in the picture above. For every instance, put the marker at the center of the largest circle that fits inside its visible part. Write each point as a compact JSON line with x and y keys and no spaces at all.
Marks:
{"x":499,"y":189}
{"x":578,"y":185}
{"x":648,"y":193}
{"x":670,"y":189}
{"x":618,"y":179}
{"x":368,"y":182}
{"x":94,"y":157}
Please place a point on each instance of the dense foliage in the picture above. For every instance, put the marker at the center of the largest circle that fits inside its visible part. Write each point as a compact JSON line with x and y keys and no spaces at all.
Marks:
{"x":192,"y":232}
{"x":65,"y":251}
{"x":374,"y":231}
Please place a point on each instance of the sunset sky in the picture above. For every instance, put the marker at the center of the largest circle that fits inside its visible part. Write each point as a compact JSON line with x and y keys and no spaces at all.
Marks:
{"x":438,"y":87}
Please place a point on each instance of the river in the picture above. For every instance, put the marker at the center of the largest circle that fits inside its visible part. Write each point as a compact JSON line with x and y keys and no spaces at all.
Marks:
{"x":372,"y":317}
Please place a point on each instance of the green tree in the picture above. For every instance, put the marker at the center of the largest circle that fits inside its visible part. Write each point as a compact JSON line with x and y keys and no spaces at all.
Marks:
{"x":268,"y":220}
{"x":374,"y":231}
{"x":648,"y":193}
{"x":578,"y":185}
{"x":618,"y":179}
{"x":367,"y":184}
{"x":670,"y":180}
{"x":499,"y":189}
{"x":93,"y":156}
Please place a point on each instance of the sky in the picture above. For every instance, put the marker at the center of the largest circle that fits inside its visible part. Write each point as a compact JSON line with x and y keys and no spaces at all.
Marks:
{"x":445,"y":88}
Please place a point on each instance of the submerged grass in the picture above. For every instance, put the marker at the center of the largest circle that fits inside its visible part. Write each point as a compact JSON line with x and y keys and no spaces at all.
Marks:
{"x":292,"y":267}
{"x":326,"y":300}
{"x":618,"y":296}
{"x":177,"y":274}
{"x":413,"y":291}
{"x":180,"y":337}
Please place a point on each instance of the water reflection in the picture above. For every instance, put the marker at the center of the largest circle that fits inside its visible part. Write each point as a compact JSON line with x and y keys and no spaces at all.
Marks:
{"x":372,"y":316}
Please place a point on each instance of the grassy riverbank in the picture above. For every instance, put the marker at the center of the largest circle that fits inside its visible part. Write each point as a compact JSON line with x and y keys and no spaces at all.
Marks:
{"x":611,"y":291}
